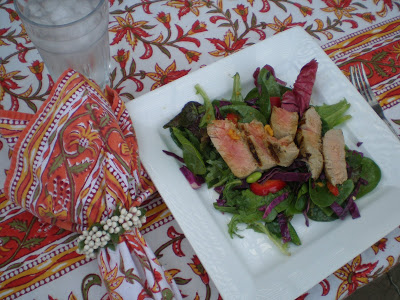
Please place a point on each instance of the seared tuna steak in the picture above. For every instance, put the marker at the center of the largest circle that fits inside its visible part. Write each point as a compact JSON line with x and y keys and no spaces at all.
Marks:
{"x":308,"y":138}
{"x":233,"y":147}
{"x":333,"y":148}
{"x":258,"y":137}
{"x":284,"y":123}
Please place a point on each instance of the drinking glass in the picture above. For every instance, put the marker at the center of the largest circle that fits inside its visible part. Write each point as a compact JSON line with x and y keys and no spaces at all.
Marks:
{"x":69,"y":34}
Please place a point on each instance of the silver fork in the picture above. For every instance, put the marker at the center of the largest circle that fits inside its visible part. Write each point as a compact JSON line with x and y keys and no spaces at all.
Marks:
{"x":359,"y":79}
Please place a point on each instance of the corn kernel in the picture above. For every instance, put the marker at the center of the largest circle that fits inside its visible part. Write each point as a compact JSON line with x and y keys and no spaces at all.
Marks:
{"x":233,"y":134}
{"x":268,"y":129}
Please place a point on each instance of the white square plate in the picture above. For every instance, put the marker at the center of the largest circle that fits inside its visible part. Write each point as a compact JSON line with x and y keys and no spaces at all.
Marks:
{"x":252,"y":267}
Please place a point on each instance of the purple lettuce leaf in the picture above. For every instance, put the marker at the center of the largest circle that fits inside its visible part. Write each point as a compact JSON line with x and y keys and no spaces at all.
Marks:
{"x":299,"y":98}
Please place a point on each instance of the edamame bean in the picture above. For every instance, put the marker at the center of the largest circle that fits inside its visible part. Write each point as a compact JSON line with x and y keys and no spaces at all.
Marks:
{"x":253,"y":177}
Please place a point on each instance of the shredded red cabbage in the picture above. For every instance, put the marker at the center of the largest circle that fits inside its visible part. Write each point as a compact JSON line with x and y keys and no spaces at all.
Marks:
{"x":291,"y":176}
{"x":218,"y":114}
{"x":351,"y":206}
{"x":243,"y":186}
{"x":267,"y":175}
{"x":284,"y":227}
{"x":224,"y":103}
{"x":363,"y":181}
{"x":337,"y":209}
{"x":306,"y":218}
{"x":174,"y":155}
{"x":195,"y":180}
{"x":268,"y":208}
{"x":252,"y":102}
{"x":221,"y":202}
{"x":219,"y":189}
{"x":297,"y":164}
{"x":305,"y":212}
{"x":349,"y":170}
{"x":355,"y":213}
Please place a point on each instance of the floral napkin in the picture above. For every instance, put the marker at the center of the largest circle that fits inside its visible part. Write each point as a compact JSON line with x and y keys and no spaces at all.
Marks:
{"x":75,"y":164}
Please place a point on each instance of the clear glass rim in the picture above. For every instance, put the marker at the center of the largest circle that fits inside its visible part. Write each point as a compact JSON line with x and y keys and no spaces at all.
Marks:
{"x":27,"y":20}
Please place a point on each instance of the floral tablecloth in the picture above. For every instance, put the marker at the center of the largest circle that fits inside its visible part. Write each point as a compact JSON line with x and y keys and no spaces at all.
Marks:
{"x":154,"y":42}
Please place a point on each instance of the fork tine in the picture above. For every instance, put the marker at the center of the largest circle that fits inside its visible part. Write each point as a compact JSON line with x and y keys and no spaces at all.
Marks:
{"x":356,"y":79}
{"x":360,"y":82}
{"x":368,"y":91}
{"x":353,"y":77}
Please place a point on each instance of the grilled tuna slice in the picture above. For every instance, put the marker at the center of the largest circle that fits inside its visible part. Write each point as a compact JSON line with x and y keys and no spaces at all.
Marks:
{"x":283,"y":150}
{"x":233,"y":147}
{"x":258,"y":137}
{"x":283,"y":122}
{"x":310,"y":149}
{"x":333,"y":148}
{"x":308,"y":137}
{"x":311,"y":121}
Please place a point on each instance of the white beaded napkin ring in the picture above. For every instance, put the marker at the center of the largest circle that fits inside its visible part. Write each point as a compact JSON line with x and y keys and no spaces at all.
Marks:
{"x":106,"y":233}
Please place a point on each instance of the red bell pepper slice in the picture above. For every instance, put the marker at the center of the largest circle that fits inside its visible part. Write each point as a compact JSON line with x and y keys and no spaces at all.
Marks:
{"x":268,"y":186}
{"x":275,"y":101}
{"x":232,"y":117}
{"x":333,"y":189}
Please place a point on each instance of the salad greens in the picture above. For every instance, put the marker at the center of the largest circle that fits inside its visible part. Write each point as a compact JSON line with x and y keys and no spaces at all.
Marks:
{"x":269,"y":214}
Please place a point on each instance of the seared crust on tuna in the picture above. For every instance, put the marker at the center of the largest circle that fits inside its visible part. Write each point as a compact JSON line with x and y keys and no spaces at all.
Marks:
{"x":284,"y":123}
{"x":308,"y":137}
{"x":333,"y":148}
{"x":310,"y":149}
{"x":233,"y":147}
{"x":256,"y":134}
{"x":311,"y":121}
{"x":284,"y":150}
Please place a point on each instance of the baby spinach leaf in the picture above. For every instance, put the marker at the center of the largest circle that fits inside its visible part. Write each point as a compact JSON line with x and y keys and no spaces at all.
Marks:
{"x":275,"y":229}
{"x":192,"y":138}
{"x":246,"y":113}
{"x":371,"y":172}
{"x":317,"y":214}
{"x":191,"y":155}
{"x":365,"y":168}
{"x":321,"y":196}
{"x":267,"y":87}
{"x":293,"y":235}
{"x":252,"y":94}
{"x":285,"y":203}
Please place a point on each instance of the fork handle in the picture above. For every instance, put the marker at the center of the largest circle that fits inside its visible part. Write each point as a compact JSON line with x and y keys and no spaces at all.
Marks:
{"x":390,"y":126}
